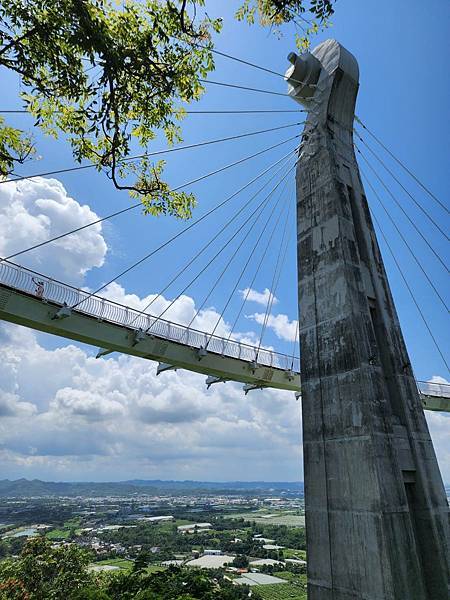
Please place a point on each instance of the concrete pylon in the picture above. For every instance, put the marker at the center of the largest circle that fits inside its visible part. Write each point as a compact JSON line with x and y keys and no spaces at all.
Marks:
{"x":376,"y":512}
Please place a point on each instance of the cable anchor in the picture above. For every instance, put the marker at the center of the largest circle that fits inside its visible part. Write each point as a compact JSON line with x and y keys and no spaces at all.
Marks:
{"x":211,"y":379}
{"x":64,"y":312}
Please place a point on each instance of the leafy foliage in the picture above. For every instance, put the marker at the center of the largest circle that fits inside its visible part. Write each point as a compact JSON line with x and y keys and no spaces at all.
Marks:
{"x":274,"y":13}
{"x":240,"y":561}
{"x":110,"y":78}
{"x":113,"y":76}
{"x":43,"y":572}
{"x":46,"y":573}
{"x":15,"y":147}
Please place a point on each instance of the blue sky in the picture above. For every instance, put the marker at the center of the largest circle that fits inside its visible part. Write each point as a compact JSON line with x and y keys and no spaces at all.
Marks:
{"x":401,"y":48}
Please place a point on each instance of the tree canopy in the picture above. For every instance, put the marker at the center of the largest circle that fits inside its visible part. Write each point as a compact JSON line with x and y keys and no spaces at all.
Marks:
{"x":43,"y":572}
{"x":113,"y":76}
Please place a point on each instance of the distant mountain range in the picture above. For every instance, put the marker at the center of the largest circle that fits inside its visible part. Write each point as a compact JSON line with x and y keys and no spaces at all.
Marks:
{"x":36,"y":487}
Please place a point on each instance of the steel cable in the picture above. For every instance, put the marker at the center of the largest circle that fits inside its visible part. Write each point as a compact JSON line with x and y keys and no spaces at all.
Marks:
{"x":155,"y":153}
{"x":245,"y":298}
{"x":177,"y":235}
{"x":383,"y":164}
{"x":275,"y":280}
{"x":209,"y":243}
{"x":419,"y":264}
{"x":212,"y":260}
{"x":241,"y":274}
{"x":398,"y":161}
{"x":401,"y":208}
{"x":139,"y":204}
{"x":411,"y":293}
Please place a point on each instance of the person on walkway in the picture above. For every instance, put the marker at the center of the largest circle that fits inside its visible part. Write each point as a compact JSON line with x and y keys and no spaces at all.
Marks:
{"x":39,"y":289}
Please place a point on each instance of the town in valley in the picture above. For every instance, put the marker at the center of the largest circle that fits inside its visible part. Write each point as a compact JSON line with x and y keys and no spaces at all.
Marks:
{"x":250,"y":534}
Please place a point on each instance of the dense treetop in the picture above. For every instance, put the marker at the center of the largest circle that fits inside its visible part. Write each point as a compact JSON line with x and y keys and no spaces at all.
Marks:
{"x":46,"y":573}
{"x":112,"y":76}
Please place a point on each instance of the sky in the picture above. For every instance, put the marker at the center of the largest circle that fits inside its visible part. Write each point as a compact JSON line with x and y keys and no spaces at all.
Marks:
{"x":66,"y":415}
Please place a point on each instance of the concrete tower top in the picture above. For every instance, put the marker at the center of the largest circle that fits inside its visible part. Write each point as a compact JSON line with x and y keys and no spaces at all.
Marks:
{"x":311,"y":75}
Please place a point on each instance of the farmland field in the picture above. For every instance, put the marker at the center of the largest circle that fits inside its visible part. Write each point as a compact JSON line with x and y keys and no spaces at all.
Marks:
{"x":280,"y":591}
{"x":116,"y":562}
{"x":293,"y":589}
{"x":274,"y":518}
{"x":58,"y":534}
{"x":294,"y":553}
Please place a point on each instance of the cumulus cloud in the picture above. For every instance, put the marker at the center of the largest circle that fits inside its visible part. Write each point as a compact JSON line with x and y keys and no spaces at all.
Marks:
{"x":89,"y":404}
{"x":281,"y":325}
{"x":182,"y":311}
{"x":11,"y":405}
{"x":439,"y":424}
{"x":73,"y":416}
{"x":68,"y":415}
{"x":262,"y":298}
{"x":36,"y":210}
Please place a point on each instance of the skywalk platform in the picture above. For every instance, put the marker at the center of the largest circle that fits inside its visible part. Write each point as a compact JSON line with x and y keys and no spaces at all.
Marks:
{"x":36,"y":301}
{"x":33,"y":300}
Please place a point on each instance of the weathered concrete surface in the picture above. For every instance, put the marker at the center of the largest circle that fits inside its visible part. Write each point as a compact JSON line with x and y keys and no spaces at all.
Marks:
{"x":376,"y":511}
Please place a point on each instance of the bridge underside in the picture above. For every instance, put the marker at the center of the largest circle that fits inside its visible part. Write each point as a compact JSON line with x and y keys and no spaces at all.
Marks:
{"x":48,"y":316}
{"x":44,"y":315}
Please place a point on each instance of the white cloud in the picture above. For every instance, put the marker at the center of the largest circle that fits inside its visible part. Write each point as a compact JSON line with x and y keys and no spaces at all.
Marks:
{"x":280,"y":324}
{"x":11,"y":406}
{"x":113,"y":418}
{"x":262,"y":298}
{"x":68,"y":415}
{"x":182,"y":311}
{"x":88,"y":403}
{"x":36,"y":210}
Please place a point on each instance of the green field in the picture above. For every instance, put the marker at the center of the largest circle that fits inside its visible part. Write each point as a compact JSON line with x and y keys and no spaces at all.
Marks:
{"x":280,"y":591}
{"x":122,"y":563}
{"x":280,"y":518}
{"x":127,"y":565}
{"x":155,"y":568}
{"x":294,"y":553}
{"x":263,"y":516}
{"x":293,"y":589}
{"x":58,"y":534}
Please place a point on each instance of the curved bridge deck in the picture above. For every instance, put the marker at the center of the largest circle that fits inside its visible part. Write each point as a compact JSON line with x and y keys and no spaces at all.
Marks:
{"x":34,"y":300}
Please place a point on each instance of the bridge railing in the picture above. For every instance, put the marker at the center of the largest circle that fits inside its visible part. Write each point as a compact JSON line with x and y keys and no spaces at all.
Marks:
{"x":51,"y":290}
{"x":434,"y":388}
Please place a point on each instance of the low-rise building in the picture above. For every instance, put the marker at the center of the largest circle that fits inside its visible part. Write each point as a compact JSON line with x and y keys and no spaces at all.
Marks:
{"x":258,"y":579}
{"x":295,"y":561}
{"x":210,"y":561}
{"x":157,"y":519}
{"x":263,"y":540}
{"x":259,"y":562}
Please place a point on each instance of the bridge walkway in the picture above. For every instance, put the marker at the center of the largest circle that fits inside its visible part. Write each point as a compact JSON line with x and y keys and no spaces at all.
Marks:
{"x":34,"y":300}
